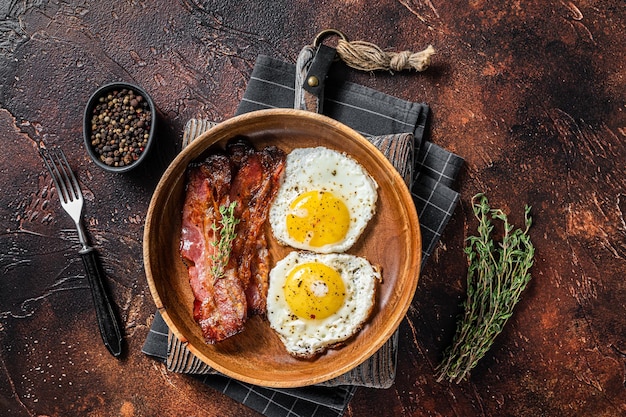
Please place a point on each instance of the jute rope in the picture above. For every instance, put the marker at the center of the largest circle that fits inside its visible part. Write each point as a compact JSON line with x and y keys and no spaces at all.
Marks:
{"x":366,"y":56}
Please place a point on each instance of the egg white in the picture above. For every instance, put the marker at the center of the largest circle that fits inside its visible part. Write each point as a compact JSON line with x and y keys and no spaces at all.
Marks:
{"x":306,"y":338}
{"x":323,"y":169}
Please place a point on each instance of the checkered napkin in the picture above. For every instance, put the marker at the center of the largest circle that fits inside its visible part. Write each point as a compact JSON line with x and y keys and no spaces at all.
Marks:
{"x":376,"y":116}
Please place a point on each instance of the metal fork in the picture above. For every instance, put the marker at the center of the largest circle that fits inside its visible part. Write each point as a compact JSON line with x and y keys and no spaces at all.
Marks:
{"x":71,"y":198}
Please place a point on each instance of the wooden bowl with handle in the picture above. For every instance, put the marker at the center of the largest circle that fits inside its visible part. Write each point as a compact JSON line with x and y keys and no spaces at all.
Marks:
{"x":391,"y":240}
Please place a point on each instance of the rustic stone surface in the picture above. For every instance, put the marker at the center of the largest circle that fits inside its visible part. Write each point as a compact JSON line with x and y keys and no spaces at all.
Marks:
{"x":531,"y":94}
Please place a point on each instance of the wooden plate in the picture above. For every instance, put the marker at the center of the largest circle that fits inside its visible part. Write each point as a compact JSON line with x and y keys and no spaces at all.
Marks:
{"x":392,"y":240}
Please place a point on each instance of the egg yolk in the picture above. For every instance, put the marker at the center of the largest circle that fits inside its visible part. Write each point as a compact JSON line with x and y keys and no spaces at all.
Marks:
{"x":314,"y":290}
{"x":318,"y":218}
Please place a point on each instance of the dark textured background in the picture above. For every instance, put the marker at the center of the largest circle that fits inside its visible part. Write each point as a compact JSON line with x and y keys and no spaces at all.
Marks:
{"x":531,"y":94}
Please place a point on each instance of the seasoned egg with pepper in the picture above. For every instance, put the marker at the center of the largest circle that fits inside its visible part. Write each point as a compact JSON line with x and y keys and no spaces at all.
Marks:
{"x":316,"y":301}
{"x":325,"y":201}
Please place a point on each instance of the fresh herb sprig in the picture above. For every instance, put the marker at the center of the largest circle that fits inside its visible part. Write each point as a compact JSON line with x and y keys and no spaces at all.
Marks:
{"x":496,"y":277}
{"x":227,"y":233}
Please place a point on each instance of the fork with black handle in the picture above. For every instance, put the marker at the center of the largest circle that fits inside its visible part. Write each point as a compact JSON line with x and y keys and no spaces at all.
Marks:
{"x":72,"y":200}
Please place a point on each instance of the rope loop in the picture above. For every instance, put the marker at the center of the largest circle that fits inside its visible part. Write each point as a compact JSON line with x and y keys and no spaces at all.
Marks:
{"x":366,"y":56}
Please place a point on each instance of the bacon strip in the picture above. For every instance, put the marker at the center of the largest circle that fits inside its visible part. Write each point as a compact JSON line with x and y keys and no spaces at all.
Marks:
{"x":254,"y":187}
{"x":250,"y":179}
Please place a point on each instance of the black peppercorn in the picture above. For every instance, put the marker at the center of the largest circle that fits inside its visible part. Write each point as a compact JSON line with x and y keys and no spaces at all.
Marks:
{"x":120,"y":127}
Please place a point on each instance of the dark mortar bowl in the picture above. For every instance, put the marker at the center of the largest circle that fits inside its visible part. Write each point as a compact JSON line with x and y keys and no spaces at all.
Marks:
{"x":91,"y":111}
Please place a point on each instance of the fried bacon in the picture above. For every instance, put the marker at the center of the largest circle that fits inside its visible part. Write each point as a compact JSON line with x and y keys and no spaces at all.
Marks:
{"x":250,"y":179}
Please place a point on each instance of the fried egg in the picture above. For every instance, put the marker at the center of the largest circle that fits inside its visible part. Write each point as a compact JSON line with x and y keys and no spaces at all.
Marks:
{"x":316,"y":301}
{"x":325,"y":201}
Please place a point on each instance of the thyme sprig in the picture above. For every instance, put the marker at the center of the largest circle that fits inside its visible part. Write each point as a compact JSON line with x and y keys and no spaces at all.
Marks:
{"x":496,"y":277}
{"x":227,"y":233}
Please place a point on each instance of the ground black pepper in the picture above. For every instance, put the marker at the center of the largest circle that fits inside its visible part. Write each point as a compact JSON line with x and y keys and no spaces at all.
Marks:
{"x":120,"y":127}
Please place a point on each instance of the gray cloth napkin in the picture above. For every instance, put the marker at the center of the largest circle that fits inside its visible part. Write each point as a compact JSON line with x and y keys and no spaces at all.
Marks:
{"x":371,"y":113}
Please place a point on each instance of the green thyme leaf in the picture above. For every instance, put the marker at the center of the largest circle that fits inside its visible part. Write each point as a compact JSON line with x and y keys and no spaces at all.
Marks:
{"x":227,"y":233}
{"x":496,"y":277}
